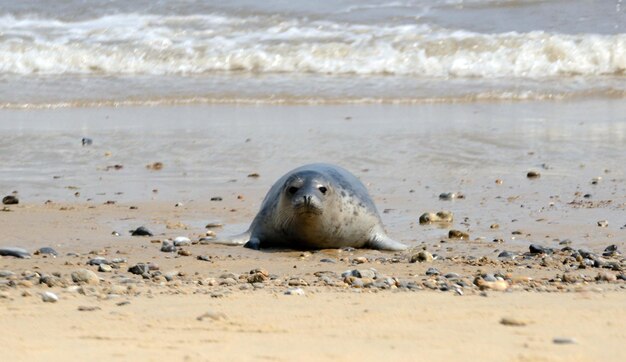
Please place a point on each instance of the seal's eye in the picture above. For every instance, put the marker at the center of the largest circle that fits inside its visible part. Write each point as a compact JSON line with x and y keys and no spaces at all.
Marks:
{"x":322,"y":189}
{"x":292,"y":190}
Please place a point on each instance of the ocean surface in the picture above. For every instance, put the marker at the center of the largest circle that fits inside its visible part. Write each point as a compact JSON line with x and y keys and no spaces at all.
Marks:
{"x":90,"y":53}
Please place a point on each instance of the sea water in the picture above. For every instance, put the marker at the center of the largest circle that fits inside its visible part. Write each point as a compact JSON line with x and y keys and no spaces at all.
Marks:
{"x":86,"y":53}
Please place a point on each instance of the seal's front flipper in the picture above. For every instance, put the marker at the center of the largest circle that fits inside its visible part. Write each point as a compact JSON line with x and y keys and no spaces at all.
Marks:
{"x":383,"y":242}
{"x":240,"y":239}
{"x":253,"y":243}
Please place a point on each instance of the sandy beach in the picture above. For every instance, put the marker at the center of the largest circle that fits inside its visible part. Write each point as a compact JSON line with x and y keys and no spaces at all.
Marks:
{"x":488,"y":295}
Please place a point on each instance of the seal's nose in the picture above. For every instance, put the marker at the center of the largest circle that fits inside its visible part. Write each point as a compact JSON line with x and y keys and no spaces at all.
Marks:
{"x":307,"y":200}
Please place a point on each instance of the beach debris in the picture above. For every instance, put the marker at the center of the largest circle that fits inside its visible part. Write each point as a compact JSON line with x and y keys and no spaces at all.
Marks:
{"x":10,"y":200}
{"x":213,"y":225}
{"x":439,"y":217}
{"x":115,"y":167}
{"x":86,"y":141}
{"x":49,"y":297}
{"x":216,"y":198}
{"x":254,"y":175}
{"x":141,"y":231}
{"x":603,"y":223}
{"x":14,"y":251}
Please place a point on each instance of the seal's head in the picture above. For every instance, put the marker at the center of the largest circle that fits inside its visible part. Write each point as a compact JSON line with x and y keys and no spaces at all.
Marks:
{"x":306,"y":193}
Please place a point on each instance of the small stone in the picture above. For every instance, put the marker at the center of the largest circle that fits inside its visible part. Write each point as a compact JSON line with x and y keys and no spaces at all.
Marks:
{"x":533,"y":174}
{"x":422,"y":257}
{"x":13,"y":251}
{"x":494,"y":226}
{"x":53,"y":281}
{"x":294,"y":291}
{"x":141,"y":231}
{"x":10,"y":200}
{"x":603,"y":223}
{"x":86,"y":141}
{"x":182,"y":241}
{"x":606,"y":277}
{"x":457,"y":234}
{"x":98,"y":260}
{"x":46,"y":251}
{"x":507,"y":255}
{"x":569,"y":278}
{"x":452,"y":276}
{"x":538,"y":249}
{"x":105,"y":268}
{"x":84,"y":276}
{"x":49,"y":297}
{"x":359,"y":260}
{"x":204,"y":258}
{"x":513,"y":322}
{"x":6,"y":273}
{"x":88,"y":308}
{"x":563,"y":340}
{"x":216,"y":198}
{"x":498,"y":285}
{"x":139,"y":269}
{"x":439,"y":217}
{"x":364,"y":273}
{"x":184,"y":252}
{"x":328,"y":260}
{"x":211,"y":315}
{"x":450,"y":196}
{"x":168,"y":246}
{"x":213,"y":225}
{"x":432,"y":271}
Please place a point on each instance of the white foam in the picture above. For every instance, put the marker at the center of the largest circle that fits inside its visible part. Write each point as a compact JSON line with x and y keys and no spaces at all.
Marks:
{"x":128,"y":44}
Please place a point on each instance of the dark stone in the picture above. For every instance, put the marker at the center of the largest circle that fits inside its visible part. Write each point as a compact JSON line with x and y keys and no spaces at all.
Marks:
{"x":139,"y":269}
{"x":216,"y":198}
{"x":13,"y":251}
{"x":10,"y":200}
{"x":506,"y":255}
{"x":87,"y":141}
{"x":452,"y":276}
{"x":538,"y":249}
{"x":203,"y":258}
{"x":47,"y":250}
{"x":141,"y":231}
{"x":432,"y":271}
{"x":97,"y":261}
{"x":328,"y":260}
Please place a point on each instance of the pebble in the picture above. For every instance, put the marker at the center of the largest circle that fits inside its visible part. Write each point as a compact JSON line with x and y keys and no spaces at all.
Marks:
{"x":182,"y":241}
{"x":213,"y":225}
{"x":6,"y":273}
{"x":432,"y":271}
{"x":49,"y":297}
{"x":88,"y":308}
{"x":533,"y":174}
{"x":359,"y":260}
{"x":294,"y":291}
{"x":328,"y":260}
{"x":14,"y":251}
{"x":139,"y":269}
{"x":563,"y":340}
{"x":211,"y":315}
{"x":98,"y":260}
{"x":507,"y":255}
{"x":53,"y":281}
{"x":141,"y":231}
{"x":452,"y":276}
{"x":538,"y":249}
{"x":46,"y":251}
{"x":105,"y":268}
{"x":603,"y":223}
{"x":440,"y":217}
{"x":499,"y":285}
{"x":611,"y":250}
{"x":364,"y":273}
{"x":203,"y":257}
{"x":84,"y":276}
{"x":184,"y":253}
{"x":513,"y":322}
{"x":168,"y":246}
{"x":450,"y":196}
{"x":422,"y":256}
{"x":458,"y":234}
{"x":10,"y":200}
{"x":86,"y":141}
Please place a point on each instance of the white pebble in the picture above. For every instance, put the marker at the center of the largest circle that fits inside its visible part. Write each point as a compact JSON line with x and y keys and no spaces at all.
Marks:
{"x":49,"y":297}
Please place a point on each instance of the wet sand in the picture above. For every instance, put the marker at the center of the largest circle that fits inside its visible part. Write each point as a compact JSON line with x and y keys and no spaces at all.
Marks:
{"x":73,"y":199}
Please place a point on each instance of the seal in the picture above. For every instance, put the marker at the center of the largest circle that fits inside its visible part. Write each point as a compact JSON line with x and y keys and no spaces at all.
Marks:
{"x":316,"y":206}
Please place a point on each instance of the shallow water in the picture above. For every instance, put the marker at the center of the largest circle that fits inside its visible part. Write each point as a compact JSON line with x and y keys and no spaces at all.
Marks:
{"x":173,"y":52}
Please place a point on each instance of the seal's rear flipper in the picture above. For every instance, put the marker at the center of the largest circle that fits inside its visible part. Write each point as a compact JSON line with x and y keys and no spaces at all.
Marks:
{"x":383,"y":242}
{"x":239,"y":239}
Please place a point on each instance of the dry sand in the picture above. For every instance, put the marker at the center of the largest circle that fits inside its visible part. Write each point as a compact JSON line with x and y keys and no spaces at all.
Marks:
{"x":191,"y":309}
